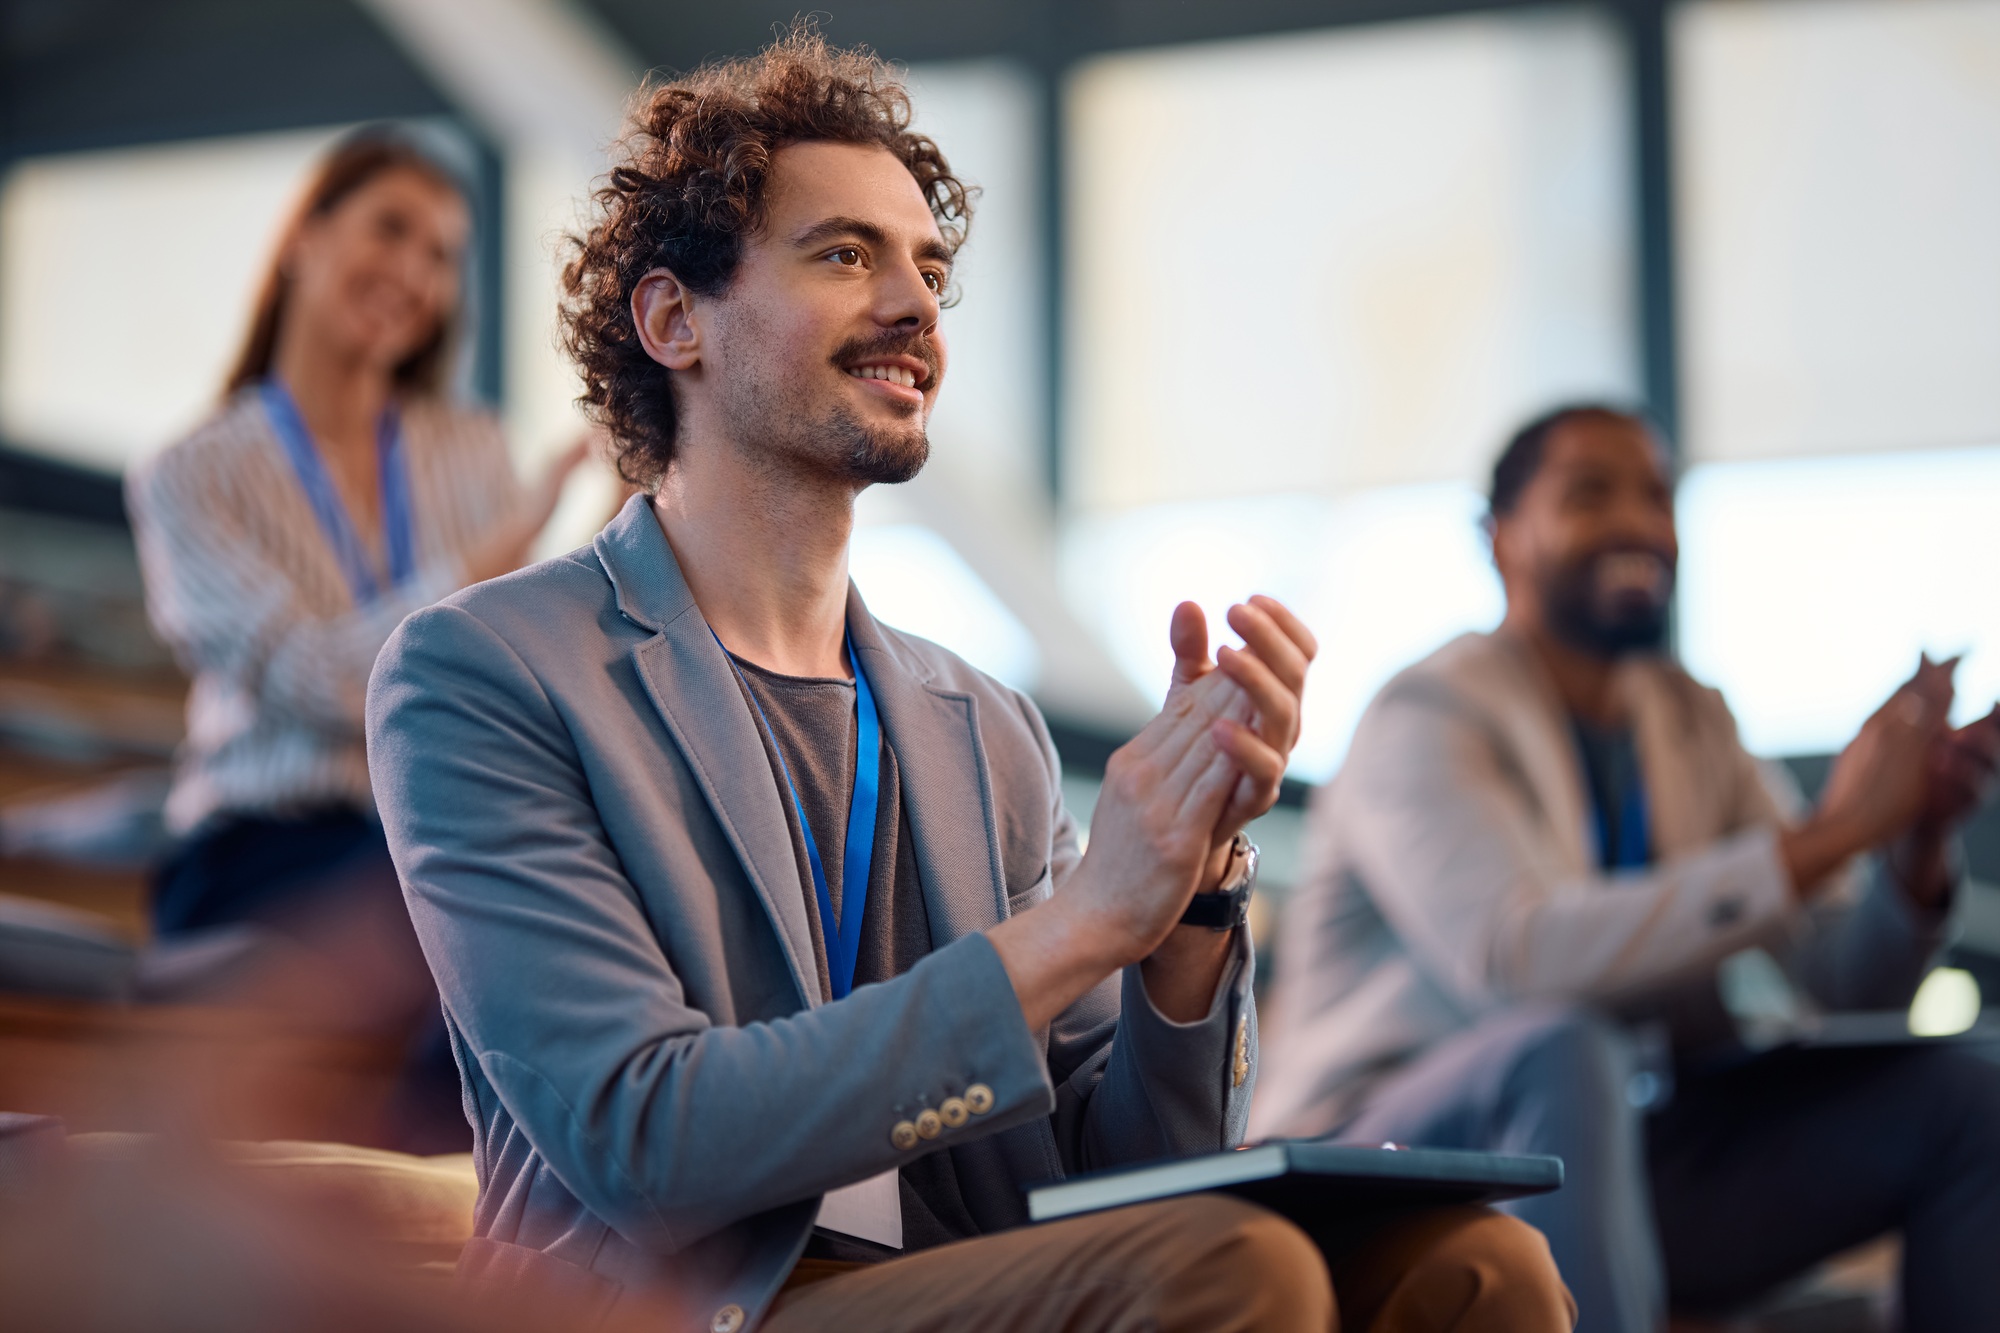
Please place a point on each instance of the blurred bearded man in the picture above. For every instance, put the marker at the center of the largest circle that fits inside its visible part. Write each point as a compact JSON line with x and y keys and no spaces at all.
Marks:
{"x":1548,"y":854}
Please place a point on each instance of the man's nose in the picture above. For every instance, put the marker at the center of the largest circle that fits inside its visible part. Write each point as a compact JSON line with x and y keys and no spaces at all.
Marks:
{"x":907,"y":300}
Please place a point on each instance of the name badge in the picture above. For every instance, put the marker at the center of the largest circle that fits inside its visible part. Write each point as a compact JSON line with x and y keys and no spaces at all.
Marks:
{"x":870,"y":1210}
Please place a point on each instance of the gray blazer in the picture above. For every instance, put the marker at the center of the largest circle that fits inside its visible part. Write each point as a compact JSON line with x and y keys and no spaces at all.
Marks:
{"x":601,"y":873}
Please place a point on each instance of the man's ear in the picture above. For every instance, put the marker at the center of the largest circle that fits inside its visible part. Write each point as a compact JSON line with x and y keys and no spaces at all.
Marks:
{"x":1499,"y":543}
{"x":663,"y":314}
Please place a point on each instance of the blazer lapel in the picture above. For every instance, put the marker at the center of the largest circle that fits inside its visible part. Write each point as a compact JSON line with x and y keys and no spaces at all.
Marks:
{"x":694,"y":688}
{"x":947,"y":788}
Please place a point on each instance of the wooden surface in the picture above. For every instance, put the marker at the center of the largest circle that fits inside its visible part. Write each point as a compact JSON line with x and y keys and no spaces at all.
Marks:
{"x":225,"y":1073}
{"x":229,"y":1073}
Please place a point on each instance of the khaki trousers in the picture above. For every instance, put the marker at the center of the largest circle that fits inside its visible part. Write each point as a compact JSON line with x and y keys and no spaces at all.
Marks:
{"x":1205,"y":1263}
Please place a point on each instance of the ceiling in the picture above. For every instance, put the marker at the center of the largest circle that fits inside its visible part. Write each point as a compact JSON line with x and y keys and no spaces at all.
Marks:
{"x":77,"y":74}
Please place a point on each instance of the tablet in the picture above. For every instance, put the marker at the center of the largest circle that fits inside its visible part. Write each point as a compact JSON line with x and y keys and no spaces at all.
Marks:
{"x":1310,"y":1182}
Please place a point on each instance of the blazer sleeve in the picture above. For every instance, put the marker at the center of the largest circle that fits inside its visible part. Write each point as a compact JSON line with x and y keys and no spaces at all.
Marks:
{"x":667,"y":1125}
{"x":220,"y":597}
{"x":1863,"y":944}
{"x":1442,"y":829}
{"x":1131,"y":1084}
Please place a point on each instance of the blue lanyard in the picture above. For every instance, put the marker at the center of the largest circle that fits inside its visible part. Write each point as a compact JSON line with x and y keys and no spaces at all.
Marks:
{"x":1635,"y":842}
{"x":842,"y":932}
{"x":334,"y":520}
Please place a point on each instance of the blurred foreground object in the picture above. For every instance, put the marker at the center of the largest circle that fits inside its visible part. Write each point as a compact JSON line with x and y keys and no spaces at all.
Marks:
{"x":110,"y":1233}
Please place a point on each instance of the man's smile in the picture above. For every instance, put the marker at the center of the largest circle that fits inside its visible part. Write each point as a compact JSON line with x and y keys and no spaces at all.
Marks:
{"x":900,"y":379}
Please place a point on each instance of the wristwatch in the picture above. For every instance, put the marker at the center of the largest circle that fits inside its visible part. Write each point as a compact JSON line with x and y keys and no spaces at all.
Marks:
{"x":1226,"y":906}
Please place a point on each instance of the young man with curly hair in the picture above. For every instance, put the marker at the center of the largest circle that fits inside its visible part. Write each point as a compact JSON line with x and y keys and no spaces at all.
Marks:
{"x":773,"y":962}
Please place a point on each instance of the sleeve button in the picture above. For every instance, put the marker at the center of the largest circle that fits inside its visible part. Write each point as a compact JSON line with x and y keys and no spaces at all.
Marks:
{"x":928,"y":1124}
{"x":904,"y":1136}
{"x":953,"y":1112}
{"x":727,"y":1320}
{"x":979,"y":1099}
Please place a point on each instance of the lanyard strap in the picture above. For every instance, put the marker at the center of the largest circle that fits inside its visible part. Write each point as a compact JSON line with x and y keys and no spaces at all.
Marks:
{"x":1634,"y":848}
{"x":842,"y":931}
{"x":334,"y":520}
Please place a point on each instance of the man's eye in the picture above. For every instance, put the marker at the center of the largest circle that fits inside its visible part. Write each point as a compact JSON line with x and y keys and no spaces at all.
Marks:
{"x":934,"y":280}
{"x":848,"y":256}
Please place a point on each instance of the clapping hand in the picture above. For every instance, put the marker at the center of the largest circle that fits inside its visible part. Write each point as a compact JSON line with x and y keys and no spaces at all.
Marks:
{"x":1270,"y":669}
{"x":1960,"y":774}
{"x":1173,"y":798}
{"x":507,"y":543}
{"x":1904,"y":784}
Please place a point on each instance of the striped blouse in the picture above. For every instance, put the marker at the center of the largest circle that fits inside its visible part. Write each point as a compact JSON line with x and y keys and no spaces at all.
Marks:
{"x":244,"y":587}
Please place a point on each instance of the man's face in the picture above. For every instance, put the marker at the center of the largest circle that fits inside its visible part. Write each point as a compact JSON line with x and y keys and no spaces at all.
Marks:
{"x":1589,"y":549}
{"x":825,"y":347}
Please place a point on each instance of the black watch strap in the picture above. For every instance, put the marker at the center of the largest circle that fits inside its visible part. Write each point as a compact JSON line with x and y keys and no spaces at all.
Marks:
{"x":1226,"y":908}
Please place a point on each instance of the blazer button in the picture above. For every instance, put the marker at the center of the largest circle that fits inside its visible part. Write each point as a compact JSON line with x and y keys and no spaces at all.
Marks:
{"x":727,"y":1320}
{"x":904,"y":1136}
{"x":979,"y":1099}
{"x":953,"y":1112}
{"x":929,"y":1124}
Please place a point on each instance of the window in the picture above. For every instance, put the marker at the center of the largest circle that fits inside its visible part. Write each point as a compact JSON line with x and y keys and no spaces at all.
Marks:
{"x":1809,"y":587}
{"x":1313,"y":284}
{"x":1839,"y":186}
{"x":1838,"y":165}
{"x":126,"y":279}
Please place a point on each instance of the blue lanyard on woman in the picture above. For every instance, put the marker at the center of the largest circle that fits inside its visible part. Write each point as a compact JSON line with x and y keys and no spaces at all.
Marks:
{"x":842,"y":930}
{"x":334,"y":520}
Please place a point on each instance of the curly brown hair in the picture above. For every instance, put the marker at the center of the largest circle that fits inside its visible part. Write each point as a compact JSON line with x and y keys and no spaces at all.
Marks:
{"x":690,"y":189}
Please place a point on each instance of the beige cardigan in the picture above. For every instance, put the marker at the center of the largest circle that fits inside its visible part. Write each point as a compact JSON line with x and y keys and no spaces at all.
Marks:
{"x":1450,"y":871}
{"x":244,"y":587}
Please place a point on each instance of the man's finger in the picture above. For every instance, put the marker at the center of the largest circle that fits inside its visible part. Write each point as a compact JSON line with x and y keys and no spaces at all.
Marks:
{"x":1192,"y":771}
{"x":1264,"y":636}
{"x":1187,"y":631}
{"x":1975,"y":745}
{"x":1295,"y":629}
{"x":1934,"y":681}
{"x":1982,"y":733}
{"x":1277,"y":705}
{"x":1187,"y":712}
{"x":1980,"y":738}
{"x":1208,"y":791}
{"x":1260,"y":762}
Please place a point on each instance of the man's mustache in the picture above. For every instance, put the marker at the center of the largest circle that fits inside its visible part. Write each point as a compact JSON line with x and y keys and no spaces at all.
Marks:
{"x":858,"y":350}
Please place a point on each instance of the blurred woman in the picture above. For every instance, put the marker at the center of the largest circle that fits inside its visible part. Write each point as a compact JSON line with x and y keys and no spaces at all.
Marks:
{"x":333,"y":491}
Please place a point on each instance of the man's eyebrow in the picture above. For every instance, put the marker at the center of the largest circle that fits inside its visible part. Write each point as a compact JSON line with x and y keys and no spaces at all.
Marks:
{"x":832,"y":229}
{"x":837,"y":228}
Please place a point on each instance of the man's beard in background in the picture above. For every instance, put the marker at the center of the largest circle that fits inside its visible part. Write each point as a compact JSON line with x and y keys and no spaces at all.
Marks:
{"x":1600,"y":624}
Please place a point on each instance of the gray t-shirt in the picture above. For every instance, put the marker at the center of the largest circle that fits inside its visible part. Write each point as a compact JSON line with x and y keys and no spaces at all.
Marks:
{"x":813,"y":719}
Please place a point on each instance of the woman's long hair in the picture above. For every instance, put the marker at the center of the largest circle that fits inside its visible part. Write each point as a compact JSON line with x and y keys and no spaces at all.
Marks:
{"x":351,"y":164}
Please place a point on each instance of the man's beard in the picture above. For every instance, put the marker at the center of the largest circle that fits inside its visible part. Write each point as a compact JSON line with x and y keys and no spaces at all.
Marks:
{"x":881,"y":455}
{"x":793,"y":423}
{"x":1603,"y":622}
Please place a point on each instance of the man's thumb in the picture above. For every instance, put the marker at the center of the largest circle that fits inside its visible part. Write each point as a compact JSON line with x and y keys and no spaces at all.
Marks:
{"x":1188,"y":632}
